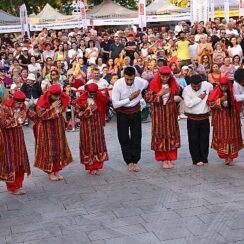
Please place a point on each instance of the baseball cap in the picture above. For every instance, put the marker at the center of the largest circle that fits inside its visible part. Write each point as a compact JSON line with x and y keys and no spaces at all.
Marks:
{"x":31,"y":76}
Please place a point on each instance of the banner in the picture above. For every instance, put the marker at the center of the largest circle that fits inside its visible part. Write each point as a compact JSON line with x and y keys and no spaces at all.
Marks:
{"x":212,"y":9}
{"x":142,"y":14}
{"x":241,"y":8}
{"x":227,"y":10}
{"x":24,"y":20}
{"x":83,"y":14}
{"x":192,"y":11}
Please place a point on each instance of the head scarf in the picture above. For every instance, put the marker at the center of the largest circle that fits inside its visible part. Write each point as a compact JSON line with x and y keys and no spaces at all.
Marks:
{"x":156,"y":84}
{"x":217,"y":93}
{"x":100,"y":99}
{"x":44,"y":100}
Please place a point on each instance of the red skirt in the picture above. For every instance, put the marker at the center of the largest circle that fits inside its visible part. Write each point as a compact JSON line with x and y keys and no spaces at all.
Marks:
{"x":94,"y":166}
{"x":166,"y":156}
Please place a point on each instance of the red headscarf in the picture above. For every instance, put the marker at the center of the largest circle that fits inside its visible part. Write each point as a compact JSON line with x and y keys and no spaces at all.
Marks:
{"x":156,"y":84}
{"x":44,"y":100}
{"x":100,"y":99}
{"x":217,"y":93}
{"x":18,"y":96}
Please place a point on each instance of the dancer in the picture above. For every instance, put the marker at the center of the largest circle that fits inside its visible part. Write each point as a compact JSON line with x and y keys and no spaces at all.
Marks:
{"x":165,"y":127}
{"x":91,"y":110}
{"x":52,"y":152}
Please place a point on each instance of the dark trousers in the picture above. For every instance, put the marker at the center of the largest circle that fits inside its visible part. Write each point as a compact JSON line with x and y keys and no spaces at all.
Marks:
{"x":129,"y":134}
{"x":198,"y":137}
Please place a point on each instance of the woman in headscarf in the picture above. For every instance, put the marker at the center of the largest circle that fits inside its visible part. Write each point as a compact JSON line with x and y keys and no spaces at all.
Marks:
{"x":52,"y":151}
{"x":91,"y":110}
{"x":227,"y":138}
{"x":165,"y":128}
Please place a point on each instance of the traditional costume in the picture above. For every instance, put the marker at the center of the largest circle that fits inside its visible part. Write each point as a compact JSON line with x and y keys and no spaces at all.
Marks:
{"x":91,"y":112}
{"x":226,"y":122}
{"x":165,"y":128}
{"x":14,"y":162}
{"x":52,"y":152}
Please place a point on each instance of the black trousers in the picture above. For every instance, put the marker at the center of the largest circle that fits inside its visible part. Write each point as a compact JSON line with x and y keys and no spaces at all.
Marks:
{"x":198,"y":137}
{"x":130,"y":134}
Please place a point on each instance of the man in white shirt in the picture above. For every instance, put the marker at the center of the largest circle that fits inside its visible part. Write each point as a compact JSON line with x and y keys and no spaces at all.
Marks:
{"x":197,"y":110}
{"x":126,"y":96}
{"x":239,"y":85}
{"x":75,"y":52}
{"x":102,"y":83}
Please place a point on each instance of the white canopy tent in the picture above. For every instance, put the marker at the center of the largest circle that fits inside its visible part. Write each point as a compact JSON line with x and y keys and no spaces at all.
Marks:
{"x":110,"y":10}
{"x":164,"y":7}
{"x":9,"y":23}
{"x":51,"y":18}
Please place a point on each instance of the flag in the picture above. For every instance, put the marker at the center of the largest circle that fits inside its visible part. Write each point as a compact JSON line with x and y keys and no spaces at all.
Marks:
{"x":241,"y":8}
{"x":142,"y":14}
{"x":83,"y":14}
{"x":24,"y":20}
{"x":227,"y":10}
{"x":212,"y":7}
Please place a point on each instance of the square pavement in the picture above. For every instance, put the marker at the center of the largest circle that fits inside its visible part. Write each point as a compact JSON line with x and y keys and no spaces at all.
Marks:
{"x":187,"y":205}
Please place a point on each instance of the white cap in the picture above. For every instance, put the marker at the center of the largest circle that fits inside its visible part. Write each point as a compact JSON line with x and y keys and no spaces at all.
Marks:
{"x":24,"y":49}
{"x":185,"y":67}
{"x":31,"y":76}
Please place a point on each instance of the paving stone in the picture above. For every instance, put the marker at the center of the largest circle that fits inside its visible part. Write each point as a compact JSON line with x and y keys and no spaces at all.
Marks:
{"x":188,"y":205}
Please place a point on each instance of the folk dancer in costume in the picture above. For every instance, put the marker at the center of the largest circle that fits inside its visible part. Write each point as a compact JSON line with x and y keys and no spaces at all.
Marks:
{"x":52,"y":152}
{"x":14,"y":162}
{"x":91,"y":110}
{"x":226,"y":121}
{"x":126,"y":96}
{"x":165,"y":127}
{"x":197,"y":110}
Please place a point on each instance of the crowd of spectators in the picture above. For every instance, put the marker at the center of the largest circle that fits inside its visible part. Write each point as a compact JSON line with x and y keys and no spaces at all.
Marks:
{"x":73,"y":58}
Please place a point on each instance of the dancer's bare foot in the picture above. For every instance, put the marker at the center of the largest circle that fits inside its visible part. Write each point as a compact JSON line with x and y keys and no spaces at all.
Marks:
{"x":18,"y":192}
{"x":165,"y":165}
{"x":136,"y":168}
{"x":60,"y":177}
{"x":200,"y":164}
{"x":53,"y":177}
{"x":131,"y":167}
{"x":231,"y":162}
{"x":227,"y":161}
{"x":171,"y":166}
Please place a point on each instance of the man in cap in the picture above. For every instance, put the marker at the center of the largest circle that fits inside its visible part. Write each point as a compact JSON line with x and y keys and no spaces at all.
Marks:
{"x":197,"y":110}
{"x":91,"y":110}
{"x":52,"y":152}
{"x":14,"y":161}
{"x":32,"y":90}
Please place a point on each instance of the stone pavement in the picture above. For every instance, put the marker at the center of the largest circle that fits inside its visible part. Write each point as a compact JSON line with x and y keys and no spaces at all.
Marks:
{"x":187,"y":205}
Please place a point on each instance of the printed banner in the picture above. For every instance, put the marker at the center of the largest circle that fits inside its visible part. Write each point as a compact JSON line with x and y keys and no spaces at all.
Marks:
{"x":241,"y":8}
{"x":24,"y":20}
{"x":83,"y":14}
{"x":142,"y":14}
{"x":227,"y":10}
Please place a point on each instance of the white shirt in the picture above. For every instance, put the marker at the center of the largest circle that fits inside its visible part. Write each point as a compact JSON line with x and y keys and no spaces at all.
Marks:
{"x":194,"y":104}
{"x":121,"y":92}
{"x":72,"y":52}
{"x":34,"y":68}
{"x":102,"y":83}
{"x":232,"y":32}
{"x":238,"y":92}
{"x":193,"y":50}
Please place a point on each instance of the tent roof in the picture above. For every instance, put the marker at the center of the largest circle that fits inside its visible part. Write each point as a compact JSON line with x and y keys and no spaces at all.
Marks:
{"x":163,"y":7}
{"x":49,"y":12}
{"x":8,"y":19}
{"x":110,"y":10}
